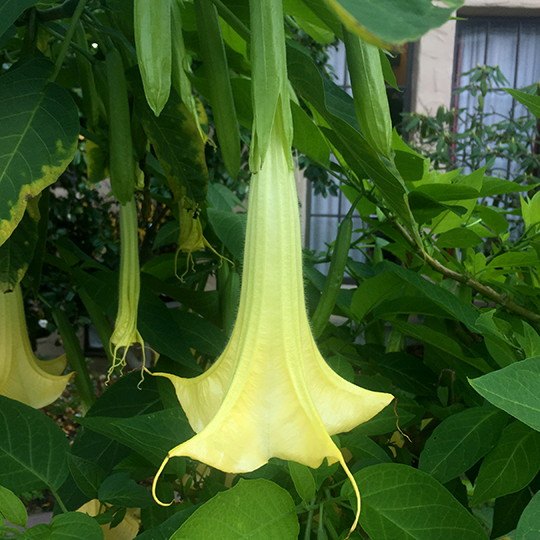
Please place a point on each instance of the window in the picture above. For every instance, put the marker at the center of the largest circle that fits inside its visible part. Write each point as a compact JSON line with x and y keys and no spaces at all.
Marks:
{"x":512,"y":44}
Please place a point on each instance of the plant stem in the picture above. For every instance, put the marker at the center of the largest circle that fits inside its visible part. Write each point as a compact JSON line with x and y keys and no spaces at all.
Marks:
{"x":307,"y":534}
{"x":78,"y":48}
{"x":480,"y":288}
{"x":67,"y":40}
{"x":76,"y":359}
{"x":59,"y":501}
{"x":230,"y":18}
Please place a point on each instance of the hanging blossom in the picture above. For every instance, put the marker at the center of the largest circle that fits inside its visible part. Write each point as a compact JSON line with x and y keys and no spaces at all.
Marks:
{"x":23,"y":377}
{"x":271,"y":394}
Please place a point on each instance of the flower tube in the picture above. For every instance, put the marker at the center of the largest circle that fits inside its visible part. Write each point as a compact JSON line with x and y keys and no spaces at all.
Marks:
{"x":23,"y":377}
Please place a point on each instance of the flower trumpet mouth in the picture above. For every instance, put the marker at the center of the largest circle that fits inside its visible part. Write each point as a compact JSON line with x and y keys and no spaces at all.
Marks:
{"x":271,"y":393}
{"x":23,"y":377}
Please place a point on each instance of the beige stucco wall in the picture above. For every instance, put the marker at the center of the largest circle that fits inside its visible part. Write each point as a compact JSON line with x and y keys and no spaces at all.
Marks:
{"x":433,"y":62}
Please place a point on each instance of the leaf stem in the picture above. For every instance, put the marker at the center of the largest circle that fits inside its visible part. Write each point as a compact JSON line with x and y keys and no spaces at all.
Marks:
{"x":59,"y":501}
{"x":230,"y":18}
{"x":78,"y":48}
{"x":307,"y":534}
{"x":67,"y":40}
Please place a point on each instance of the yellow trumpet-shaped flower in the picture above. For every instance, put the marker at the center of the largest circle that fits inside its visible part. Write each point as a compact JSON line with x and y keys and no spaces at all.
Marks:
{"x":270,"y":393}
{"x":125,"y":328}
{"x":22,"y":376}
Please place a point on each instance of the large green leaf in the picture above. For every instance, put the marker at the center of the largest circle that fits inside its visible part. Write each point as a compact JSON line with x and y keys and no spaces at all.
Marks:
{"x":10,"y":10}
{"x":252,"y":509}
{"x":515,"y":389}
{"x":460,"y":441}
{"x":303,"y":480}
{"x":508,"y":510}
{"x":39,"y":127}
{"x":151,"y":435}
{"x":403,"y":503}
{"x":176,"y":141}
{"x":17,"y":251}
{"x":409,"y":21}
{"x":529,"y":524}
{"x":33,"y":449}
{"x":510,"y":466}
{"x":120,"y":490}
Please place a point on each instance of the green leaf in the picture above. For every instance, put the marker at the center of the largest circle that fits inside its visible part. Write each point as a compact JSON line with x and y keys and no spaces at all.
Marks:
{"x":166,"y":529}
{"x":176,"y":141}
{"x":371,"y":292}
{"x":448,"y":192}
{"x":69,"y":526}
{"x":201,"y":334}
{"x":362,"y":447}
{"x":460,"y":441}
{"x":385,"y":421}
{"x":514,"y":259}
{"x":458,"y":238}
{"x":308,"y":138}
{"x":120,"y":490}
{"x":499,"y":186}
{"x":531,"y":102}
{"x":230,"y":229}
{"x":508,"y":510}
{"x":88,"y":476}
{"x":151,"y":435}
{"x":10,"y":10}
{"x":251,"y":509}
{"x":529,"y":524}
{"x":39,"y":126}
{"x":515,"y":389}
{"x":303,"y":480}
{"x":510,"y":466}
{"x":403,"y":503}
{"x":12,"y":508}
{"x":17,"y":251}
{"x":33,"y":449}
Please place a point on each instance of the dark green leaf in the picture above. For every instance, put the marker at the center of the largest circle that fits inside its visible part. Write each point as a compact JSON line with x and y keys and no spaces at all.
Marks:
{"x":75,"y":526}
{"x":120,"y":490}
{"x":168,"y":527}
{"x":151,"y":435}
{"x":87,"y":475}
{"x":403,"y":503}
{"x":458,"y":238}
{"x":515,"y":389}
{"x":176,"y":141}
{"x":362,"y":447}
{"x":230,"y":229}
{"x":33,"y":448}
{"x":308,"y":138}
{"x":17,"y":251}
{"x":448,"y":192}
{"x":10,"y":10}
{"x":39,"y":126}
{"x":510,"y":466}
{"x":508,"y":510}
{"x":201,"y":334}
{"x":253,"y":508}
{"x":499,"y":186}
{"x":460,"y":441}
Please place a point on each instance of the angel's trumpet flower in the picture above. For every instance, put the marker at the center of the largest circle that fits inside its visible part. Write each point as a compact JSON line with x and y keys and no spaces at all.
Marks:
{"x":22,"y":376}
{"x":270,"y":393}
{"x":125,"y":328}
